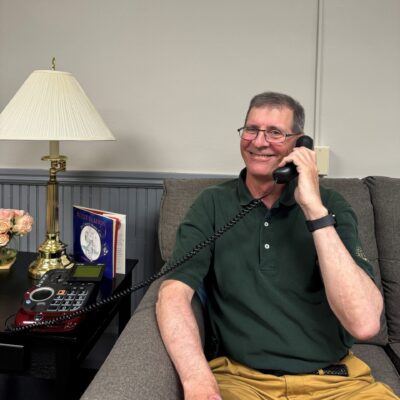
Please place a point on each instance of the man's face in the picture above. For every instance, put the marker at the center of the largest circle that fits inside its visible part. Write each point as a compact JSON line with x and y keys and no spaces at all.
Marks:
{"x":261,"y":157}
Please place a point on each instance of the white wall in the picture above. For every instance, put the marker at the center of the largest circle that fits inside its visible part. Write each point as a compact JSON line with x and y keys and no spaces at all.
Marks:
{"x":173,"y":78}
{"x":360,"y":101}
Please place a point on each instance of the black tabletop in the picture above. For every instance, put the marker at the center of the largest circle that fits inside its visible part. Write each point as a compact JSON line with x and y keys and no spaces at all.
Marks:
{"x":14,"y":283}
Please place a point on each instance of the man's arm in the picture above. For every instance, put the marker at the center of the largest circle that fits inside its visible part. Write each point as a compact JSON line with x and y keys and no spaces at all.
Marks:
{"x":181,"y":337}
{"x":352,"y":295}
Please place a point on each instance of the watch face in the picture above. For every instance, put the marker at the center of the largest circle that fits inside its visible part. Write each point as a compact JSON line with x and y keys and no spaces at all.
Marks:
{"x":90,"y":243}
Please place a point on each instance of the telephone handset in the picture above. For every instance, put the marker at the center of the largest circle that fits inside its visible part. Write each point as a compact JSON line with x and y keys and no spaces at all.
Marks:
{"x":289,"y":171}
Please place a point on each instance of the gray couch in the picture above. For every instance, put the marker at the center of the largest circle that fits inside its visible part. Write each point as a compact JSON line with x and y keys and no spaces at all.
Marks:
{"x":138,"y":366}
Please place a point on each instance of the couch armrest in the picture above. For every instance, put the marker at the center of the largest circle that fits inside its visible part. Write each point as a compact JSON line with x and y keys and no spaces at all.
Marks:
{"x":138,"y":367}
{"x":393,"y":351}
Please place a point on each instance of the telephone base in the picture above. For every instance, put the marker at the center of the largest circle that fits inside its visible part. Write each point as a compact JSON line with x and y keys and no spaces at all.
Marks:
{"x":25,"y":318}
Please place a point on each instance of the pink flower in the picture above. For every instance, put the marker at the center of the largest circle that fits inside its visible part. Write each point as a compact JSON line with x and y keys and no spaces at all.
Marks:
{"x":19,"y":213}
{"x":4,"y":239}
{"x":22,"y":224}
{"x":6,"y":213}
{"x":5,"y":225}
{"x":13,"y":223}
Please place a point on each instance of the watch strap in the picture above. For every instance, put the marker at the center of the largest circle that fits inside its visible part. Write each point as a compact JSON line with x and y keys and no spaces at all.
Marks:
{"x":319,"y":223}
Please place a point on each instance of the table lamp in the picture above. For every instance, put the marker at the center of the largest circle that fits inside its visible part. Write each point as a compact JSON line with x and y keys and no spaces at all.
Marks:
{"x":52,"y":106}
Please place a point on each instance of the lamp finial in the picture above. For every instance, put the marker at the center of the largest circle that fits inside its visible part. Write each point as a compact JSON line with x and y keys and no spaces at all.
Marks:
{"x":53,"y":64}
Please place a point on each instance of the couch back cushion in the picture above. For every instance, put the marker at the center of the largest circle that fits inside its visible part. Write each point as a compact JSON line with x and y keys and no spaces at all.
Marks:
{"x":179,"y":194}
{"x":385,"y":197}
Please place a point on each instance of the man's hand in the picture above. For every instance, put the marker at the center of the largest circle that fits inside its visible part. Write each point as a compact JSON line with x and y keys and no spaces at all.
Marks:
{"x":201,"y":397}
{"x":202,"y":391}
{"x":307,"y":193}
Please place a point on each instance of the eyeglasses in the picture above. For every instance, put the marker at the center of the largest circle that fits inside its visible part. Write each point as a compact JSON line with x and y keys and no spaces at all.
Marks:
{"x":271,"y":135}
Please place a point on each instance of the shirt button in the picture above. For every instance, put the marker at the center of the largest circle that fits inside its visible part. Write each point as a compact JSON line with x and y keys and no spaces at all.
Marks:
{"x":266,"y":224}
{"x":266,"y":246}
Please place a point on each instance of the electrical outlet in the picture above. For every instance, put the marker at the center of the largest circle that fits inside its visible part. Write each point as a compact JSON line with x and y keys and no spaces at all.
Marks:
{"x":322,"y":154}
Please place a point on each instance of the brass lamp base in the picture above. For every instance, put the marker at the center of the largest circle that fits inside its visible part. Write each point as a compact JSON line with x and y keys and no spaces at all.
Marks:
{"x":52,"y":255}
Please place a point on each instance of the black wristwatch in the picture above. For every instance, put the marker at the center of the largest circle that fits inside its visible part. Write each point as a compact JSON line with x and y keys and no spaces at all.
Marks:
{"x":319,"y":223}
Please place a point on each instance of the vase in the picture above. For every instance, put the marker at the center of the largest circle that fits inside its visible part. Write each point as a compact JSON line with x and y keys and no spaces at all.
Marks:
{"x":8,"y":256}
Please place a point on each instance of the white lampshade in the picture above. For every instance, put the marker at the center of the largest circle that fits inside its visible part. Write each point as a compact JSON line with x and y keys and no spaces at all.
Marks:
{"x":51,"y":105}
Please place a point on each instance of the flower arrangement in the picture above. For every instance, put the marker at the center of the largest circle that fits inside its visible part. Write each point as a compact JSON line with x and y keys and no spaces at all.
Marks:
{"x":13,"y":223}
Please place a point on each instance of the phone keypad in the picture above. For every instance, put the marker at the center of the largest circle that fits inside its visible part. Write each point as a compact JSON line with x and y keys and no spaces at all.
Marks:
{"x":71,"y":298}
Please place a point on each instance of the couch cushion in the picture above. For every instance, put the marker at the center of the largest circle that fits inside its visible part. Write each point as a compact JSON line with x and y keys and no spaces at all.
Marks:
{"x":381,"y":366}
{"x":356,"y":192}
{"x":394,"y":350}
{"x":385,"y":196}
{"x":178,"y":196}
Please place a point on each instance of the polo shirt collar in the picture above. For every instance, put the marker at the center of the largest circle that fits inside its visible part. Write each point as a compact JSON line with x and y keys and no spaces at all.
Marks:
{"x":245,"y":197}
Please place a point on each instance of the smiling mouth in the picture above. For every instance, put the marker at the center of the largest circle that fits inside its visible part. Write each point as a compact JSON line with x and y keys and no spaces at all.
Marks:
{"x":261,"y":155}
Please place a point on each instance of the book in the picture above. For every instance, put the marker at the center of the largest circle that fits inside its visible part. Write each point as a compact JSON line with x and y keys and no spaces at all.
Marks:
{"x":99,"y":237}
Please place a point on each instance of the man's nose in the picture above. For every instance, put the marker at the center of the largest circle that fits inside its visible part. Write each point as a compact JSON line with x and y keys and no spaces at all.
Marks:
{"x":260,"y":140}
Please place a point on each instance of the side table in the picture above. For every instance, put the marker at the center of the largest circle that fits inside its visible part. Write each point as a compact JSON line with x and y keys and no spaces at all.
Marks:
{"x":54,"y":355}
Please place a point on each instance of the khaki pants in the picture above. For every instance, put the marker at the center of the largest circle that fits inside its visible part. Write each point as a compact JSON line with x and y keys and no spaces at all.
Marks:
{"x":237,"y":382}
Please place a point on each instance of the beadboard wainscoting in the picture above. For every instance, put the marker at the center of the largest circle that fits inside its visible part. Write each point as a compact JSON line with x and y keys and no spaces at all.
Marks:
{"x":136,"y":195}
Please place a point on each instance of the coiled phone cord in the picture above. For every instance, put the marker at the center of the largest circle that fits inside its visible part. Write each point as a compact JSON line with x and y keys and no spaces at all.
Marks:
{"x":167,"y":268}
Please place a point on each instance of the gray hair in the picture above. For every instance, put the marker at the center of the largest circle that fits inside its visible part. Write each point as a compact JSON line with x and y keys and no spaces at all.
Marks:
{"x":279,"y":100}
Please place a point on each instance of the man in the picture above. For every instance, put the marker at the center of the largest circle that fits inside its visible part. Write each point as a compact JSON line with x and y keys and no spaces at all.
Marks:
{"x":285,"y":298}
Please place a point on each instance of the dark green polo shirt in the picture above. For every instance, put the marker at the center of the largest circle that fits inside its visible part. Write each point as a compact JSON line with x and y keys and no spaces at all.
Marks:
{"x":265,"y":296}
